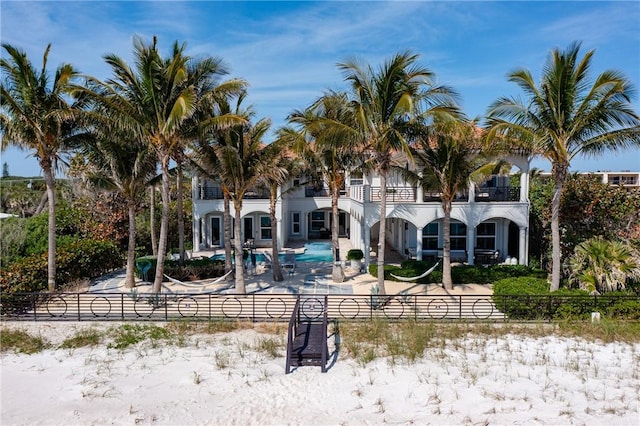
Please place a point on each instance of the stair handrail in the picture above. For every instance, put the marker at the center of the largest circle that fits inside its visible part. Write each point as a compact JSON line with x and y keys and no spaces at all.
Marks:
{"x":292,"y":330}
{"x":325,"y":321}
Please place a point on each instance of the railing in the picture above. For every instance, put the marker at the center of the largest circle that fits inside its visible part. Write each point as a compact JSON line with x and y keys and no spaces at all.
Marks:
{"x":313,"y":192}
{"x":292,"y":331}
{"x":396,"y":194}
{"x":215,"y":193}
{"x":262,"y":307}
{"x":211,"y":193}
{"x":498,"y":193}
{"x":429,"y":197}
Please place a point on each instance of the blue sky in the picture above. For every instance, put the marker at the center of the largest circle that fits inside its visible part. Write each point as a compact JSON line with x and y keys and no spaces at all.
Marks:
{"x":288,"y":51}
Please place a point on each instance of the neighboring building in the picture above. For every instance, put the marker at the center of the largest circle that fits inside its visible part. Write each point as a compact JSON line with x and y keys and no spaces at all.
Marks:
{"x":625,"y":179}
{"x":489,"y":222}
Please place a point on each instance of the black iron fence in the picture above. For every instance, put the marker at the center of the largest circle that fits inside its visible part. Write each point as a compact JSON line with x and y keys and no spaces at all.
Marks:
{"x":264,"y":307}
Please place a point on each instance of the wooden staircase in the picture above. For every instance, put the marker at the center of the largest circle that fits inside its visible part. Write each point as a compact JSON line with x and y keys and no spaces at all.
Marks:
{"x":307,"y":338}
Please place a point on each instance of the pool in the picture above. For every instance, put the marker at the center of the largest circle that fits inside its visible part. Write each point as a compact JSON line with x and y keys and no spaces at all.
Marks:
{"x":313,"y":252}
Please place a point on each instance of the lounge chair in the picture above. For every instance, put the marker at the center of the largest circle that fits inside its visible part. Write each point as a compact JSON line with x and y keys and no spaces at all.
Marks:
{"x":290,"y":261}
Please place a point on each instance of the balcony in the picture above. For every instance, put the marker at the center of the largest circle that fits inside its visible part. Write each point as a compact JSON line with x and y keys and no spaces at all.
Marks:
{"x":498,"y":193}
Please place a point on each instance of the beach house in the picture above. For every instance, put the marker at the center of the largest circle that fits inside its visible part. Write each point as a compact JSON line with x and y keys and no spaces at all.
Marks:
{"x":489,"y":221}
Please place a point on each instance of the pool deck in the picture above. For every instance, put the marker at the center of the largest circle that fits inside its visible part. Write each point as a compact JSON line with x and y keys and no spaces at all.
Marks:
{"x":309,"y":278}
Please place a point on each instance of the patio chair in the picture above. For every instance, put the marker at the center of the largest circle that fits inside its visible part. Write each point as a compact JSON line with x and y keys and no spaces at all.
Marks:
{"x":289,"y":262}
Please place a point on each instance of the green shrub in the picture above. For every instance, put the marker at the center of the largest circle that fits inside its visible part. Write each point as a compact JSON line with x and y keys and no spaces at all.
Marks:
{"x":355,"y":254}
{"x":75,"y":260}
{"x":508,"y":297}
{"x":193,"y":269}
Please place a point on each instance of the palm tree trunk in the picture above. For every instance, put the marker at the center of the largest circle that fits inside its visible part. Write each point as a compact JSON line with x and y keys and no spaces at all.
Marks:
{"x":382,"y":233}
{"x":337,"y":274}
{"x":51,"y":254}
{"x":180,"y":213}
{"x":560,"y":175}
{"x":238,"y":251}
{"x":275,"y":267}
{"x":152,"y":219}
{"x":164,"y":226}
{"x":447,"y":282}
{"x":227,"y":234}
{"x":129,"y":281}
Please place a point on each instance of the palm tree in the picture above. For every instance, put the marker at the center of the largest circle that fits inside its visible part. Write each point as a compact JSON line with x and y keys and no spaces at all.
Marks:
{"x":330,"y":149}
{"x":125,"y":166}
{"x":600,"y":266}
{"x":565,"y":116}
{"x":277,"y":166}
{"x":37,"y":116}
{"x":241,"y":161}
{"x":154,"y":101}
{"x":387,"y":101}
{"x":448,"y":159}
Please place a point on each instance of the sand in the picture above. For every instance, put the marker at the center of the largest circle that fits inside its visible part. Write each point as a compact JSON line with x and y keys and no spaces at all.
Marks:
{"x":225,"y":379}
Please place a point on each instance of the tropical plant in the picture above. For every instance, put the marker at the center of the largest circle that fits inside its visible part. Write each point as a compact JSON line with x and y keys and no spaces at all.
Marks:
{"x":448,"y":159}
{"x":36,"y":115}
{"x":601,"y":266}
{"x":154,"y":101}
{"x":386,"y":103}
{"x":332,"y":149}
{"x":565,"y":116}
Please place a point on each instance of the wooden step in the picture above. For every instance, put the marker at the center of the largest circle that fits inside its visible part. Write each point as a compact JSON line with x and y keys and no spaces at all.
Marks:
{"x":308,"y":343}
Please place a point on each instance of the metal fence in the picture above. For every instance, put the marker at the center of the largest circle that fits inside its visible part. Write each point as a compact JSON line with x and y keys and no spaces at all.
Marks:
{"x":262,"y":307}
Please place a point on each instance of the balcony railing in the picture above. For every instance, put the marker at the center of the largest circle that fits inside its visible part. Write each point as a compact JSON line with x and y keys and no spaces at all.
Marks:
{"x":310,"y":192}
{"x":498,"y":193}
{"x":429,"y":197}
{"x":215,"y":193}
{"x":397,"y":194}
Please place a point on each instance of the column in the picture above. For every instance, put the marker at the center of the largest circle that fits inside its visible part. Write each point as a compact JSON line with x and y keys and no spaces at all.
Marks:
{"x":522,"y":246}
{"x":419,"y":244}
{"x":471,"y":243}
{"x":196,"y":225}
{"x":366,"y":238}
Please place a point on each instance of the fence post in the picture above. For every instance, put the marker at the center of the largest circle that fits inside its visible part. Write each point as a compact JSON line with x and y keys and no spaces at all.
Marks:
{"x":34,"y":304}
{"x":166,"y":308}
{"x":122,"y":305}
{"x":460,"y":307}
{"x":78,"y":304}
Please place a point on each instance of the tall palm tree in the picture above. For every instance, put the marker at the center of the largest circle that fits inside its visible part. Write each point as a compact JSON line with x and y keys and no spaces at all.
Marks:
{"x":154,"y":100}
{"x":448,"y":160}
{"x":126,"y":166}
{"x":387,"y":101}
{"x":329,"y":148}
{"x":277,"y":165}
{"x":217,"y":130}
{"x":36,"y":115}
{"x":567,"y":115}
{"x":241,"y":161}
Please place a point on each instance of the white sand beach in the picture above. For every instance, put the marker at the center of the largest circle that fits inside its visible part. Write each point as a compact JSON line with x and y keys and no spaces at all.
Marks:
{"x":225,"y":379}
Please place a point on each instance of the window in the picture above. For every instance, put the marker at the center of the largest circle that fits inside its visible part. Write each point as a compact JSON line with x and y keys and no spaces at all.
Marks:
{"x":430,"y":237}
{"x":356,"y":179}
{"x":295,"y":223}
{"x":486,"y":236}
{"x":458,"y":236}
{"x":265,"y":228}
{"x":317,"y":221}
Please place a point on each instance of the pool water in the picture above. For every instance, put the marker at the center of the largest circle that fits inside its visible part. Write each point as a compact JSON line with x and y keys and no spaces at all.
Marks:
{"x":313,"y":252}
